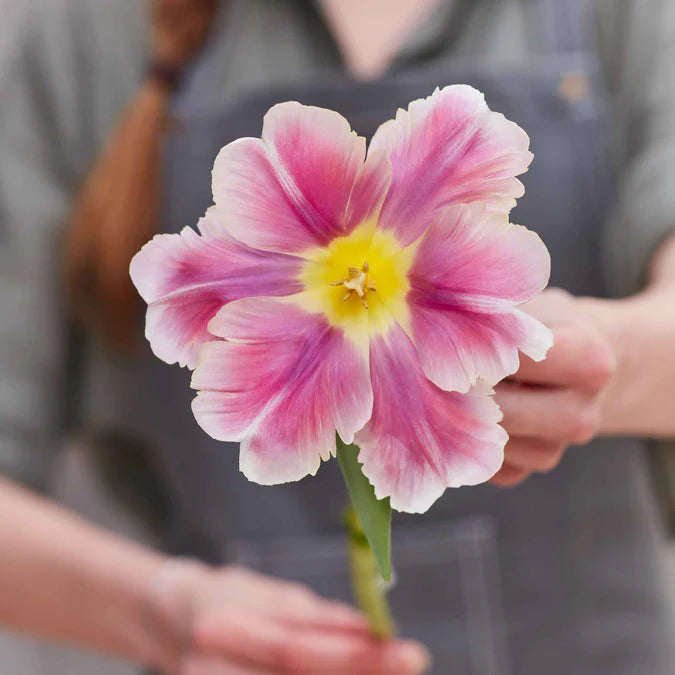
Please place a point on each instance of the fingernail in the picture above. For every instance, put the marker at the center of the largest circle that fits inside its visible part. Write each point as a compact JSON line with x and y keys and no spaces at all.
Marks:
{"x":415,"y":657}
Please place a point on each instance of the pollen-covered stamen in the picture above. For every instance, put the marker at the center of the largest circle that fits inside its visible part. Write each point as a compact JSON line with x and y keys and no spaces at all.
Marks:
{"x":357,"y":281}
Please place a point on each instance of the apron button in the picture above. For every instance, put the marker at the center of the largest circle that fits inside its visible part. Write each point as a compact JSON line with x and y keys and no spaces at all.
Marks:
{"x":573,"y":87}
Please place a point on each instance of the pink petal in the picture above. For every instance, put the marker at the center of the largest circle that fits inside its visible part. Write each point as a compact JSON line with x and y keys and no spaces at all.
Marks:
{"x":421,"y":439}
{"x":281,"y":384}
{"x":470,"y":271}
{"x":301,"y":185}
{"x":186,"y":278}
{"x":449,"y":148}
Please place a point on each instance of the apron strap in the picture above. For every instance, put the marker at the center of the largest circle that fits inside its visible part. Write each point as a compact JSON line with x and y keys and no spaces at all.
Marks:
{"x":560,"y":26}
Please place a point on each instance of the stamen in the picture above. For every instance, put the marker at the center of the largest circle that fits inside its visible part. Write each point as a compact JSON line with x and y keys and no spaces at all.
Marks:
{"x":356,"y":282}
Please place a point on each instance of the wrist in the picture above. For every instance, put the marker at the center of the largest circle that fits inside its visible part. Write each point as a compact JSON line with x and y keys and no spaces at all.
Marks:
{"x":169,"y":609}
{"x":614,"y":319}
{"x":626,"y":324}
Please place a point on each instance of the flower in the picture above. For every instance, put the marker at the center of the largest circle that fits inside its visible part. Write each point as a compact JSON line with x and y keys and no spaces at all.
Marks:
{"x":373,"y":294}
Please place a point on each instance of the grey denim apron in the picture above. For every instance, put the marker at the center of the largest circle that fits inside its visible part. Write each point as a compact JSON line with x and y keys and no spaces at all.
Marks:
{"x":556,"y":577}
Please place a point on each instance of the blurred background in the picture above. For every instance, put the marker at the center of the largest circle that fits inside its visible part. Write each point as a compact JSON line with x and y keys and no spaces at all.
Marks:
{"x":111,"y":113}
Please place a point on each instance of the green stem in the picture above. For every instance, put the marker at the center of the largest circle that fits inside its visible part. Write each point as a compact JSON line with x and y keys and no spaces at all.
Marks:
{"x":370,"y":589}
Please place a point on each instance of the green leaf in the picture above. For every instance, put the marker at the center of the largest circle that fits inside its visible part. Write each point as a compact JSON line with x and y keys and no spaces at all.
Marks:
{"x":374,"y":514}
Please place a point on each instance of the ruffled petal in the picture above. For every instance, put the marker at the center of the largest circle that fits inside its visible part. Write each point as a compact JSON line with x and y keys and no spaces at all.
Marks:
{"x":420,"y":439}
{"x":281,"y":383}
{"x":186,"y":278}
{"x":446,"y":149}
{"x":470,"y":271}
{"x":301,"y":185}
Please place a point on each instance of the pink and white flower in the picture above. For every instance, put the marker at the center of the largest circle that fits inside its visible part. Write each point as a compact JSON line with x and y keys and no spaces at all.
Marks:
{"x":375,"y":294}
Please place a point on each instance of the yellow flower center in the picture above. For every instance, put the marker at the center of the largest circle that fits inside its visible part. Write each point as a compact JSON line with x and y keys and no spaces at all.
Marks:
{"x":359,"y":282}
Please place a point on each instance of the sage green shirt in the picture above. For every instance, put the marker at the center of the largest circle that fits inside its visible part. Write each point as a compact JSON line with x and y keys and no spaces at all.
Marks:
{"x":69,"y":67}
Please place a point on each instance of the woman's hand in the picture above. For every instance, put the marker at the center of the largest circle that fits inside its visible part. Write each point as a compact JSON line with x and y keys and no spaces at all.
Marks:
{"x":559,"y":401}
{"x":232,"y":621}
{"x":179,"y":29}
{"x":610,"y":372}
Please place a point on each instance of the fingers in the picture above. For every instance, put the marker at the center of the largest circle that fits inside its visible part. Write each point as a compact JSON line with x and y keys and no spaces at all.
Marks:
{"x":293,"y":603}
{"x":523,"y":456}
{"x":556,"y":415}
{"x":204,"y":665}
{"x":509,"y":476}
{"x":532,"y":454}
{"x":266,"y":643}
{"x":550,"y":404}
{"x":325,"y":614}
{"x":241,"y":635}
{"x":303,"y":608}
{"x":271,"y":625}
{"x":580,"y":357}
{"x":337,"y":653}
{"x":550,"y":305}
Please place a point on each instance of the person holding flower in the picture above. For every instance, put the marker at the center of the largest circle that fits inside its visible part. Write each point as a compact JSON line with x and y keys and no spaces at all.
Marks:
{"x":557,"y":538}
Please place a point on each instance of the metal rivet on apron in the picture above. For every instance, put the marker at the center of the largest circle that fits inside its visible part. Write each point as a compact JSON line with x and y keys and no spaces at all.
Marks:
{"x":573,"y":87}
